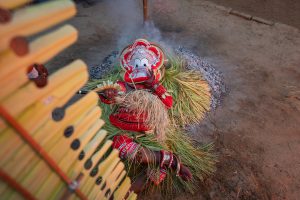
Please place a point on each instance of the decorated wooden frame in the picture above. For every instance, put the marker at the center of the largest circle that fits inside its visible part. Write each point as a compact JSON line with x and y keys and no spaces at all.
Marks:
{"x":50,"y":149}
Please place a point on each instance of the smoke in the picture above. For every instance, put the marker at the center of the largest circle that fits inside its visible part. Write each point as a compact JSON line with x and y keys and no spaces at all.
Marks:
{"x":127,"y":18}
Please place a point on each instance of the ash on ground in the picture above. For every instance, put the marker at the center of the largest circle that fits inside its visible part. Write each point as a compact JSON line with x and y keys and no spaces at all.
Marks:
{"x":99,"y":71}
{"x":210,"y":74}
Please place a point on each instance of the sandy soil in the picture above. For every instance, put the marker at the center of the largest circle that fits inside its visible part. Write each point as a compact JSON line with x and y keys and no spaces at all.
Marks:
{"x":256,"y":129}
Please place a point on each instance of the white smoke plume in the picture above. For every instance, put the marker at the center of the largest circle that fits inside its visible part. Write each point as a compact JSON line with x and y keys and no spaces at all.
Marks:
{"x":127,"y":15}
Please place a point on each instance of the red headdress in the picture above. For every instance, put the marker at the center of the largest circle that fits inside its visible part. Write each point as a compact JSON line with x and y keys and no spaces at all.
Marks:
{"x":139,"y":59}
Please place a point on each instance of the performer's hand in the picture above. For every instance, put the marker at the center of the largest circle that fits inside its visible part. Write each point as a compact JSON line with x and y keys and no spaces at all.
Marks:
{"x":109,"y":94}
{"x":185,"y":173}
{"x":150,"y":82}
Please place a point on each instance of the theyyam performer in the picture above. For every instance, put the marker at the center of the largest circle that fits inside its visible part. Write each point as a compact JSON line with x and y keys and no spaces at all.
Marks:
{"x":147,"y":101}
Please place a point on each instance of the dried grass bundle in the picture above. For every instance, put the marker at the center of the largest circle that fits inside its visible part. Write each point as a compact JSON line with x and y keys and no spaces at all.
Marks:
{"x":146,"y":105}
{"x":191,"y":93}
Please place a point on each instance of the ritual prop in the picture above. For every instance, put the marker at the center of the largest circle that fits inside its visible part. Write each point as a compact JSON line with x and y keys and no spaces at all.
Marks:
{"x":50,"y":149}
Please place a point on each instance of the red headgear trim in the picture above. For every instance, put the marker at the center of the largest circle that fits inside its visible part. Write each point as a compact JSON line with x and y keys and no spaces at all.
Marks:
{"x":139,"y":59}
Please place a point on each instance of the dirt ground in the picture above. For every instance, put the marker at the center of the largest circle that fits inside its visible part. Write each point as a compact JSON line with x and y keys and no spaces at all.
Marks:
{"x":256,"y":130}
{"x":284,"y":11}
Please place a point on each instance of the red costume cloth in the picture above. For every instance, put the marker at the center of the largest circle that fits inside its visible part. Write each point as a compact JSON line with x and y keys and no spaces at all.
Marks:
{"x":126,"y":120}
{"x":126,"y":146}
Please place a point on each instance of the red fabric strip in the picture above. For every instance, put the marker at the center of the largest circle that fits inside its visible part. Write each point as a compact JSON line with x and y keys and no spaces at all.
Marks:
{"x":15,"y":185}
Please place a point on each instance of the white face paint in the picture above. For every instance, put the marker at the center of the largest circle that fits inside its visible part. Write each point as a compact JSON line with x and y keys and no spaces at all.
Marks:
{"x":141,"y":63}
{"x":145,"y":63}
{"x":140,"y":68}
{"x":137,"y":63}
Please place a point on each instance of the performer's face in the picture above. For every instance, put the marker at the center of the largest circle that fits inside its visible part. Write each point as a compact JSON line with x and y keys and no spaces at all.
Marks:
{"x":141,"y":63}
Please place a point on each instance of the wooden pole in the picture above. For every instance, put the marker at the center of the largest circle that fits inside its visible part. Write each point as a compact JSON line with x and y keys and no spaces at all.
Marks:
{"x":145,"y":10}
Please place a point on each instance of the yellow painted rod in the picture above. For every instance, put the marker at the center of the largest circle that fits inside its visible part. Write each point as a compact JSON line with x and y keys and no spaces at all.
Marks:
{"x":41,"y":171}
{"x":116,"y":183}
{"x":76,"y":166}
{"x":55,"y":94}
{"x":10,"y":4}
{"x":62,"y":151}
{"x":132,"y":196}
{"x":90,"y":148}
{"x":41,"y":50}
{"x":86,"y":137}
{"x":55,"y":147}
{"x":105,"y":168}
{"x":73,"y":155}
{"x":61,"y":148}
{"x":112,"y":156}
{"x":122,"y":190}
{"x":57,"y":82}
{"x":39,"y":115}
{"x":50,"y":130}
{"x":73,"y":115}
{"x":110,"y":180}
{"x":46,"y":189}
{"x":34,"y":19}
{"x":100,"y":153}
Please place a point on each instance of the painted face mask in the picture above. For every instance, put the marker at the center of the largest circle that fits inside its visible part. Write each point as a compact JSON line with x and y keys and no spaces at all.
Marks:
{"x":139,"y":59}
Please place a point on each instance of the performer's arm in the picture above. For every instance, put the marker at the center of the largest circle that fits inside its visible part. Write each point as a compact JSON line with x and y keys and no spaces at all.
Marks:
{"x":164,"y":96}
{"x":159,"y":90}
